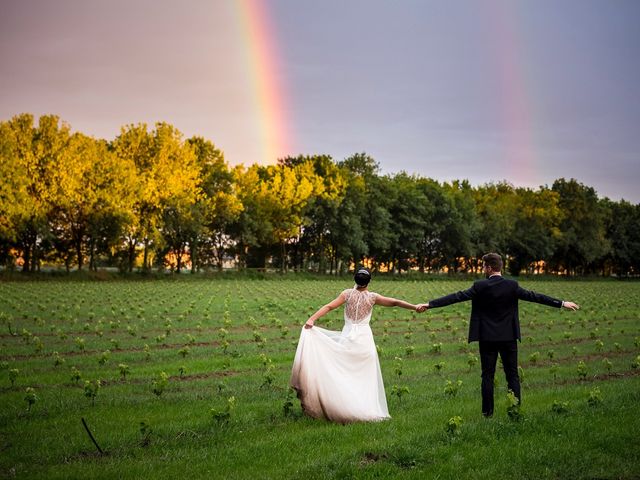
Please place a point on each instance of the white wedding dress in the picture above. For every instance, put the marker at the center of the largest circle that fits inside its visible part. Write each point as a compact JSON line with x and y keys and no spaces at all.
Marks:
{"x":337,"y":374}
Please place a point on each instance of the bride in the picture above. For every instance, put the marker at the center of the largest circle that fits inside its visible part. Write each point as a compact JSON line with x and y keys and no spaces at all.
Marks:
{"x":337,"y":374}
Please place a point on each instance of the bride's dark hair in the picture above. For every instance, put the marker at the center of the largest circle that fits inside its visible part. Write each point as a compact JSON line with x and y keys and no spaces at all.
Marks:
{"x":362,"y":277}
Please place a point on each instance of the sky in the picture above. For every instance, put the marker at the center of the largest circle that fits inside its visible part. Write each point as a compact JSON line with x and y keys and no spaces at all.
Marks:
{"x":484,"y":90}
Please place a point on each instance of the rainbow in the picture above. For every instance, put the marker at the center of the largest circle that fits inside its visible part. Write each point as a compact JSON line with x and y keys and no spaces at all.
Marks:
{"x":267,"y":82}
{"x":268,"y":86}
{"x":520,"y":162}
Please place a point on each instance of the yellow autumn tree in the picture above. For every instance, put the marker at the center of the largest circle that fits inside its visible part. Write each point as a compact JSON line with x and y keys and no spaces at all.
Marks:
{"x":285,"y":192}
{"x":94,"y":195}
{"x":166,"y":172}
{"x":30,"y":155}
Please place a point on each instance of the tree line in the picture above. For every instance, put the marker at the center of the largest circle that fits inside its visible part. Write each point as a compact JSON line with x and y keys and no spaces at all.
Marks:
{"x":152,"y":199}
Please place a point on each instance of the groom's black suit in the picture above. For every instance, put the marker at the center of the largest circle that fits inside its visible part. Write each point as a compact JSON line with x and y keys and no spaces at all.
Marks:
{"x":495,"y":325}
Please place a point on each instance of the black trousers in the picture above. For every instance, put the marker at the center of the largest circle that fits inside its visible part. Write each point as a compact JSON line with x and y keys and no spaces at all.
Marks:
{"x":508,"y":352}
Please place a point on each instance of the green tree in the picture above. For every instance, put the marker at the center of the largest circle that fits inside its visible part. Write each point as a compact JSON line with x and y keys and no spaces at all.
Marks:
{"x":217,"y":207}
{"x":623,"y":233}
{"x":410,"y":212}
{"x":430,"y":244}
{"x":536,"y":228}
{"x":582,"y":239}
{"x":459,"y":235}
{"x":321,"y":212}
{"x":360,"y":225}
{"x":496,"y":208}
{"x":374,"y":225}
{"x":345,"y":230}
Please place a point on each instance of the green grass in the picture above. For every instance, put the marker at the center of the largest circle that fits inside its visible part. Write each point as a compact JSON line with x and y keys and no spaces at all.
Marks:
{"x":262,"y":318}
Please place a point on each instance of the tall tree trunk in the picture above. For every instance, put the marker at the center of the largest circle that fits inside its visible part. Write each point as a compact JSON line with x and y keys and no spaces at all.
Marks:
{"x":78,"y":243}
{"x":242,"y":256}
{"x":5,"y":256}
{"x":193,"y":255}
{"x":145,"y":257}
{"x":92,"y":264}
{"x":132,"y":254}
{"x":321,"y":267}
{"x":26,"y":258}
{"x":34,"y":257}
{"x":331,"y":256}
{"x":283,"y":246}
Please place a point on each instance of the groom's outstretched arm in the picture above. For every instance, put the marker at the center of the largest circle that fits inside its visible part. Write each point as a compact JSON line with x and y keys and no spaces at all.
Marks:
{"x":461,"y":296}
{"x":531,"y":296}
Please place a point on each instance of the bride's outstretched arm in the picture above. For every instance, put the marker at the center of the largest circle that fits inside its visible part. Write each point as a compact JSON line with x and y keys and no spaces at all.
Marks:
{"x":394,"y":302}
{"x":324,"y":310}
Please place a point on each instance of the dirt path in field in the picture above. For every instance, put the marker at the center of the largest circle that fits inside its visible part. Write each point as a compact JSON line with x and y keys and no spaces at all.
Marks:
{"x":133,"y":381}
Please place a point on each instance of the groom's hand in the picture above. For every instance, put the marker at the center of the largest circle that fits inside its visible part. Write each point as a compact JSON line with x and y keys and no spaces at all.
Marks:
{"x":422,"y":307}
{"x":570,"y":306}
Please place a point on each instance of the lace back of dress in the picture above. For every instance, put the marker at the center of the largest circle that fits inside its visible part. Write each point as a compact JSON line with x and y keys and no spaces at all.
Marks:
{"x":359,"y":305}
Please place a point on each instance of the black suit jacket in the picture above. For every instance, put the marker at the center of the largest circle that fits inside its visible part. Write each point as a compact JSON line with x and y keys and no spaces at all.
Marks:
{"x":494,"y":307}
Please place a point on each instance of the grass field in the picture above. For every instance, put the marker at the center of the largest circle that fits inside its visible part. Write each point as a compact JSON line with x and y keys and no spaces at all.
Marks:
{"x":194,"y":383}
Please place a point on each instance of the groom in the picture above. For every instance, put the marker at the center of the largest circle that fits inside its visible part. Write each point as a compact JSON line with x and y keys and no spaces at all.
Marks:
{"x":494,"y":323}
